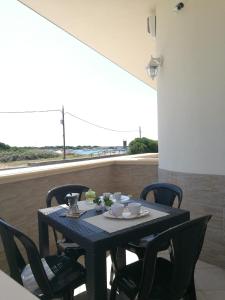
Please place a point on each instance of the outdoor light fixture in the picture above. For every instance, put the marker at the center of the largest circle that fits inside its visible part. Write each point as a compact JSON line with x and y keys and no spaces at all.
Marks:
{"x":153,"y":66}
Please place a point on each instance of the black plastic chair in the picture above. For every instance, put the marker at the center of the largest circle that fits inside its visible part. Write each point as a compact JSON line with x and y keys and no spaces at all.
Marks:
{"x":156,"y":278}
{"x":59,"y":194}
{"x":165,"y":194}
{"x":67,"y":273}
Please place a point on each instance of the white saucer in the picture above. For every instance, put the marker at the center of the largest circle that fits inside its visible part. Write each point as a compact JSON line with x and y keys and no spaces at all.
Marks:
{"x":126,"y":215}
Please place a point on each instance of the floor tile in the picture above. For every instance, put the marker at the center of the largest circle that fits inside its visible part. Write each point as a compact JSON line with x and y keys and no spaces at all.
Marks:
{"x":211,"y":295}
{"x":203,"y":265}
{"x":211,"y":279}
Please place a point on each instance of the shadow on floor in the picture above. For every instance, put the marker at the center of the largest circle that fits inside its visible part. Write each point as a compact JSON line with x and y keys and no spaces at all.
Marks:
{"x":209,"y":280}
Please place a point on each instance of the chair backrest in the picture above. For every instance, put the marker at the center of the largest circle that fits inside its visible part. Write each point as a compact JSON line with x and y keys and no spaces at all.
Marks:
{"x":186,"y":242}
{"x":164,"y":193}
{"x":9,"y":235}
{"x":60,"y":192}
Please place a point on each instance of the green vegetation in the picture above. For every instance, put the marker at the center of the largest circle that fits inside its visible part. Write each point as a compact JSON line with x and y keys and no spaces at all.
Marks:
{"x":16,"y":156}
{"x":107,"y":201}
{"x":9,"y":154}
{"x":4,"y":146}
{"x":143,"y":145}
{"x":97,"y":200}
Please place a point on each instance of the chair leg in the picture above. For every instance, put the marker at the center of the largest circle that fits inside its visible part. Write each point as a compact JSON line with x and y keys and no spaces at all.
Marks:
{"x":68,"y":295}
{"x":191,"y":292}
{"x":113,"y":290}
{"x":112,"y":273}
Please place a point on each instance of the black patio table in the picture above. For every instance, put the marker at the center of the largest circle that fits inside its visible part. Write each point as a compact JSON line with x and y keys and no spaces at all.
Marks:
{"x":97,"y":242}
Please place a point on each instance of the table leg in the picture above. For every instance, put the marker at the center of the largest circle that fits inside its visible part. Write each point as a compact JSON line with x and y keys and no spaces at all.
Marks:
{"x":43,"y":237}
{"x":121,"y":257}
{"x":118,"y":257}
{"x":95,"y":261}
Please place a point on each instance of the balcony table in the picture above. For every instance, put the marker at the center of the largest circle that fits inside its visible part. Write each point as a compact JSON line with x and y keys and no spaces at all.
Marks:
{"x":97,"y":242}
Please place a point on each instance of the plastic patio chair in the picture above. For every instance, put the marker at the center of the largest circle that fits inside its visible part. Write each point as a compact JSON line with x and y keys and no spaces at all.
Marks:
{"x":165,"y":194}
{"x":59,"y":194}
{"x":48,"y":278}
{"x":156,"y":278}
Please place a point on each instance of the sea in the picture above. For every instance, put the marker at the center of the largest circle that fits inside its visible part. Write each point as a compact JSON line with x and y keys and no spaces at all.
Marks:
{"x":98,"y":151}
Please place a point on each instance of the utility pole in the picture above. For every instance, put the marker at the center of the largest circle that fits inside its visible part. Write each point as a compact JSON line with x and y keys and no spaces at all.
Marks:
{"x":64,"y":137}
{"x":140,"y":132}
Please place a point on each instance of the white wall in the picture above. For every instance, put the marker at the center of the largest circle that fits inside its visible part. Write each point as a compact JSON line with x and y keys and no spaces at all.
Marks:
{"x":191,"y":86}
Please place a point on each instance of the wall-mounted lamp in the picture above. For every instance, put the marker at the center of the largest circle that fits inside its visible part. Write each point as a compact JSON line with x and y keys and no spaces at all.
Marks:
{"x":153,"y":66}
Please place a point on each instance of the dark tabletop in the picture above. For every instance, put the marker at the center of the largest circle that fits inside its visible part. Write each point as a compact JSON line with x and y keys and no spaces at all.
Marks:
{"x":85,"y":234}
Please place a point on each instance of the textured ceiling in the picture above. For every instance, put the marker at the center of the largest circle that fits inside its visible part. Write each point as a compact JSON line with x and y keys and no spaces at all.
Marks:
{"x":116,"y":29}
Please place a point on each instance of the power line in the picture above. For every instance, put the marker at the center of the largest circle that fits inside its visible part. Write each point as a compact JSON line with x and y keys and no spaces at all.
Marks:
{"x":68,"y":113}
{"x":63,"y":122}
{"x":29,"y":111}
{"x":99,"y":126}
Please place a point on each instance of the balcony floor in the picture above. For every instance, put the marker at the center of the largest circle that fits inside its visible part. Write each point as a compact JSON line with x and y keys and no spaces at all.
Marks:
{"x":209,"y":281}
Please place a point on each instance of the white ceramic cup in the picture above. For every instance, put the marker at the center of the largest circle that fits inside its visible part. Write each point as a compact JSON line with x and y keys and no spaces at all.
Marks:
{"x":117,"y":209}
{"x":134,"y":208}
{"x":117,"y":196}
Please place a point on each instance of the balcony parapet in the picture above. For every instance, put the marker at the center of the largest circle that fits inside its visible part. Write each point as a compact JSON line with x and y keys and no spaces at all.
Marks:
{"x":15,"y":175}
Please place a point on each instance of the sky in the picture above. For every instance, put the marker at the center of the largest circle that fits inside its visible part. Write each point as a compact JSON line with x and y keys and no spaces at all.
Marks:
{"x":42,"y":68}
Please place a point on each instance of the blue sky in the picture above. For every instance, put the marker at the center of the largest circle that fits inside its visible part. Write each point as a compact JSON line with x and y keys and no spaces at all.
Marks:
{"x":42,"y":68}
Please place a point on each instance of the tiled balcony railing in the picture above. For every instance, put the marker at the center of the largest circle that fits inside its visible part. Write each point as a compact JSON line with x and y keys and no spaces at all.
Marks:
{"x":23,"y":191}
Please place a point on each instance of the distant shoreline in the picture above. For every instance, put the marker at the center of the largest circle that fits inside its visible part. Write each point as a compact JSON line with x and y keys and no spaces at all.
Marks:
{"x":22,"y":157}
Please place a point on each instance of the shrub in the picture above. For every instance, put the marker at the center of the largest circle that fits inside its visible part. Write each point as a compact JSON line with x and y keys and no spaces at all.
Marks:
{"x":17,"y":154}
{"x":4,"y":146}
{"x":143,"y":145}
